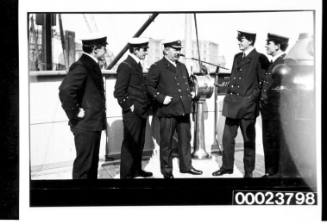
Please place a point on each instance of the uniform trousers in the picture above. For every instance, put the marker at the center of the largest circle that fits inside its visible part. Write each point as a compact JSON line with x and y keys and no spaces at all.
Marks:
{"x":230,"y":132}
{"x":133,"y":144}
{"x":271,"y":137}
{"x":168,"y":125}
{"x":87,"y":145}
{"x":278,"y":159}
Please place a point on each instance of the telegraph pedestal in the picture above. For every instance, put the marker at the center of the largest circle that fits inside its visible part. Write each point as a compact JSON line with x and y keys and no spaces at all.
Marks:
{"x":203,"y":88}
{"x":199,"y":143}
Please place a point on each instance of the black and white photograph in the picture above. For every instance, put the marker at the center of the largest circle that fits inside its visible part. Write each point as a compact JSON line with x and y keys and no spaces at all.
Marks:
{"x":141,"y":108}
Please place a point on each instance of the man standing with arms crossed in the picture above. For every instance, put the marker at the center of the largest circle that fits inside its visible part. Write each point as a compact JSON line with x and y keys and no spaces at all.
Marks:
{"x":82,"y":96}
{"x":241,"y":104}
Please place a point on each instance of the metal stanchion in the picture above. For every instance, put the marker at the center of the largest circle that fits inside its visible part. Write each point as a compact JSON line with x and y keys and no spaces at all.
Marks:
{"x":215,"y":147}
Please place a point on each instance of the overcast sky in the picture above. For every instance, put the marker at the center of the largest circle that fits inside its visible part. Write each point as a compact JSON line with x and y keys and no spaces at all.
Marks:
{"x":220,"y":28}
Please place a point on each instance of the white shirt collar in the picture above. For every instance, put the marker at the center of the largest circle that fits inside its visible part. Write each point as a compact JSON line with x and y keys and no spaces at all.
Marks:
{"x":135,"y":58}
{"x":248,"y":50}
{"x":173,"y":63}
{"x":91,"y":56}
{"x":274,"y":58}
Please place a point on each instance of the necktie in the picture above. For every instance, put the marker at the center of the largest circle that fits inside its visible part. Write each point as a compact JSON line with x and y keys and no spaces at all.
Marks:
{"x":140,"y":66}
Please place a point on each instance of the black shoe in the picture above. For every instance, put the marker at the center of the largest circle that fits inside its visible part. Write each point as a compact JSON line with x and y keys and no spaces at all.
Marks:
{"x":222,"y":171}
{"x":193,"y":171}
{"x":248,"y":175}
{"x":268,"y":175}
{"x":142,"y":173}
{"x":168,"y":176}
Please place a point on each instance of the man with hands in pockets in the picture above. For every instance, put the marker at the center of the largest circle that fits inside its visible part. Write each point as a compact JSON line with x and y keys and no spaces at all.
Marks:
{"x":133,"y":98}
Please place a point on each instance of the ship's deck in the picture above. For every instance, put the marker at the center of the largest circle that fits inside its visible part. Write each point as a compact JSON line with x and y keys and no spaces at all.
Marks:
{"x":110,"y":169}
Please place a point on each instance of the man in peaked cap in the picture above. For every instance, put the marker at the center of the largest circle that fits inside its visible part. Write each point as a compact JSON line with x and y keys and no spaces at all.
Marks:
{"x":82,"y":96}
{"x":94,"y":39}
{"x":246,"y":35}
{"x":272,"y":134}
{"x":241,"y":104}
{"x":176,"y":44}
{"x":133,"y":98}
{"x":168,"y":83}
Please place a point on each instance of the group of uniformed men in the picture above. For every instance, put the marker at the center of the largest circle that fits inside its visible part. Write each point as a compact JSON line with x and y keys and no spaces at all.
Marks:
{"x":166,"y":88}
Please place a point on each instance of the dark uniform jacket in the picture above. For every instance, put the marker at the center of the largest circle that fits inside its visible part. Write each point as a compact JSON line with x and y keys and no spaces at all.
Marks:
{"x":241,"y":101}
{"x":130,"y":88}
{"x":83,"y":88}
{"x":270,"y":96}
{"x":164,"y":79}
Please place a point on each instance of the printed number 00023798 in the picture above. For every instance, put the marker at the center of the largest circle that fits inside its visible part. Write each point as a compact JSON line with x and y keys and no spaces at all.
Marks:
{"x":274,"y":198}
